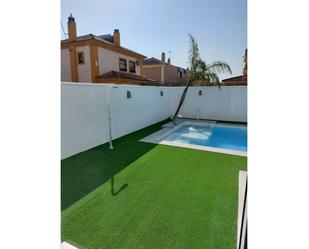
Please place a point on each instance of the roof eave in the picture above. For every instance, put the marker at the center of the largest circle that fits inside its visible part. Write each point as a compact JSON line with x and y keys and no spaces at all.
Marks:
{"x":107,"y":43}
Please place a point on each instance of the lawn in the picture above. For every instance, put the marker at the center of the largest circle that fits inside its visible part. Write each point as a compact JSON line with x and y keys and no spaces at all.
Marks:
{"x":147,"y":196}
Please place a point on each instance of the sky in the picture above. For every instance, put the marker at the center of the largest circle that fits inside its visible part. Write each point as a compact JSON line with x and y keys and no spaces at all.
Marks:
{"x":151,"y":27}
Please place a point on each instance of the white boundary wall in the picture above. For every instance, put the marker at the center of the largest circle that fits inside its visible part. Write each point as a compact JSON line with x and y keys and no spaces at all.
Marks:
{"x":146,"y":107}
{"x":225,"y":103}
{"x":84,"y":122}
{"x":84,"y":115}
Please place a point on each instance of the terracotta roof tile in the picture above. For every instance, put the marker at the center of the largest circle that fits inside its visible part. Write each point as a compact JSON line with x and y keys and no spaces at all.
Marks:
{"x":123,"y":75}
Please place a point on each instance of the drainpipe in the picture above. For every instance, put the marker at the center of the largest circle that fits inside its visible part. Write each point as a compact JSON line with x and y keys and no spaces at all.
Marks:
{"x":198,"y":113}
{"x":109,"y":118}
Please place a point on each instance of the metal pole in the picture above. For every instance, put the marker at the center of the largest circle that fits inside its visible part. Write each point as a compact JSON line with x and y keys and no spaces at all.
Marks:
{"x":109,"y":118}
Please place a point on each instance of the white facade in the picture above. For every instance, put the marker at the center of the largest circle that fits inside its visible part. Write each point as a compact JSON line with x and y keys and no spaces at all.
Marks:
{"x":84,"y":115}
{"x":109,"y":60}
{"x":65,"y":65}
{"x":84,"y":70}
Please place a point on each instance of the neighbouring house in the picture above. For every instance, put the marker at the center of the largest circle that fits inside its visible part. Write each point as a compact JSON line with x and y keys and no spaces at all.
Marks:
{"x":164,"y":72}
{"x":99,"y":59}
{"x":240,"y":80}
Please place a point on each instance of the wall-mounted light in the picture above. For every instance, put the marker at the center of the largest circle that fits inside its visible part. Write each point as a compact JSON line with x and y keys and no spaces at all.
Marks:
{"x":129,"y":95}
{"x":161,"y":93}
{"x":200,"y":92}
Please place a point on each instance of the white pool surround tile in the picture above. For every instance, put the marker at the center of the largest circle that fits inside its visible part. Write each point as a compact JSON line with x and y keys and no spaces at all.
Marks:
{"x":66,"y":245}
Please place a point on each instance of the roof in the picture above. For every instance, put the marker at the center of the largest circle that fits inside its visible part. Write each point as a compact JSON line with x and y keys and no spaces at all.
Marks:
{"x":107,"y":39}
{"x":155,"y":61}
{"x":123,"y":75}
{"x":152,"y":61}
{"x":237,"y":80}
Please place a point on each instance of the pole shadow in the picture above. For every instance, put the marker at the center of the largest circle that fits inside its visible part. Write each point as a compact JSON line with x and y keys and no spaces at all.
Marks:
{"x":113,"y":192}
{"x":86,"y":171}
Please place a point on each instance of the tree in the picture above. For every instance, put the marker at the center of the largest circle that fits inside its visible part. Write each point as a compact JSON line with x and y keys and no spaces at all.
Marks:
{"x":201,"y":72}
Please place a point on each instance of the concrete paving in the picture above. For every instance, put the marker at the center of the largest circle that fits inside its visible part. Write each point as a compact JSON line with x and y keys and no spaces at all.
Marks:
{"x":66,"y":245}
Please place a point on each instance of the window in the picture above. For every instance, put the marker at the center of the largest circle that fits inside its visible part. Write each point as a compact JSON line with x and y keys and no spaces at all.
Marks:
{"x":180,"y":74}
{"x":132,"y":67}
{"x":122,"y":65}
{"x":81,"y":57}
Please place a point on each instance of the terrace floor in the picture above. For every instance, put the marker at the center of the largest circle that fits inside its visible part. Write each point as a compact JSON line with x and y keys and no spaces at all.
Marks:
{"x":149,"y":196}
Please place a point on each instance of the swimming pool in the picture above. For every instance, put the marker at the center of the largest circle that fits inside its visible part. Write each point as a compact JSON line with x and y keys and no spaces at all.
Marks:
{"x":217,"y":137}
{"x":227,"y":137}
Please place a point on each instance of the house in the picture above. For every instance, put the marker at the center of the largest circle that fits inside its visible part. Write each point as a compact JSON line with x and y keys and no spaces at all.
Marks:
{"x":240,"y":80}
{"x":164,"y":72}
{"x":99,"y":59}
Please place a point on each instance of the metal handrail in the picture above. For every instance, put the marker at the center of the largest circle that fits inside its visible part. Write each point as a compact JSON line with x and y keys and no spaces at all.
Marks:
{"x":244,"y":225}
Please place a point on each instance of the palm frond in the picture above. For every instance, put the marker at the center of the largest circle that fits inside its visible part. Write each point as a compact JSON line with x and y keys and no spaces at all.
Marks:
{"x":219,"y":67}
{"x":194,"y":53}
{"x":212,"y":78}
{"x":201,"y":73}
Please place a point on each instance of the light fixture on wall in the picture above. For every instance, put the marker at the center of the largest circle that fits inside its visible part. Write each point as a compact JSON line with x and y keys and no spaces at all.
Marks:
{"x":129,"y":95}
{"x":200,"y":92}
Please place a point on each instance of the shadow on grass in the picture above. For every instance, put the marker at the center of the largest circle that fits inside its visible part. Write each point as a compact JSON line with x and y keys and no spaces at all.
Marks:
{"x":114,"y":193}
{"x":84,"y":172}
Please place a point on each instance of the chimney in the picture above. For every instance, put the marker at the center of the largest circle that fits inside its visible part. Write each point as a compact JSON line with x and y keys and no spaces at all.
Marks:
{"x":116,"y":37}
{"x":71,"y":28}
{"x":169,"y":61}
{"x":163,"y":57}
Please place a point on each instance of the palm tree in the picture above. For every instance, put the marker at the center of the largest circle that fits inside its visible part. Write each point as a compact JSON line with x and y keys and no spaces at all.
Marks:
{"x":200,"y":71}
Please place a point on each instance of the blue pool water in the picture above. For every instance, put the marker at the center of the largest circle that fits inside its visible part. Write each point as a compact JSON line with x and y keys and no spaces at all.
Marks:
{"x":226,"y":137}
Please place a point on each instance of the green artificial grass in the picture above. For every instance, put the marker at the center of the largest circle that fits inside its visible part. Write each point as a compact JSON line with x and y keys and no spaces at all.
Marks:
{"x":142,"y":195}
